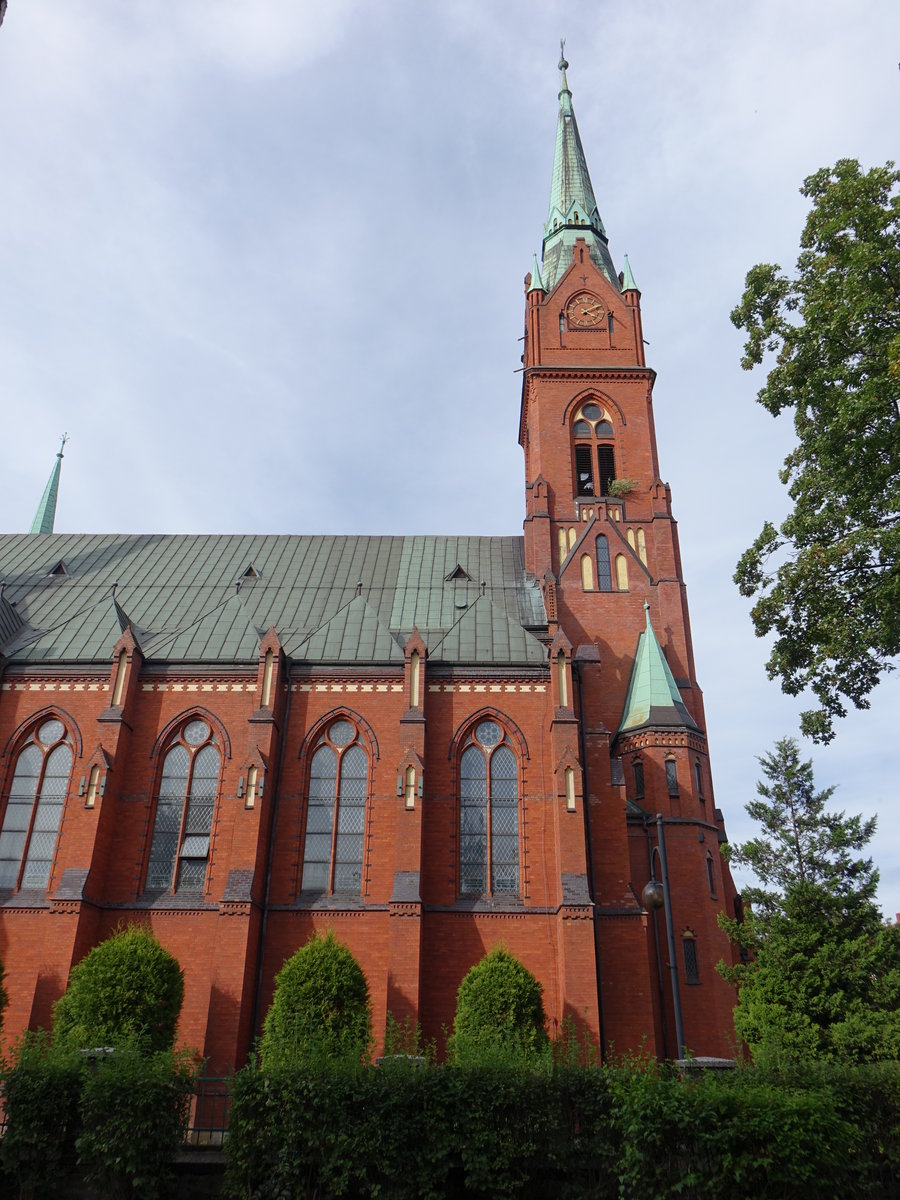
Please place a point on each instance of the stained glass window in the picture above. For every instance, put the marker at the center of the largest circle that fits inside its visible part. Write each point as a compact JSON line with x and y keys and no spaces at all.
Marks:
{"x":186,"y":801}
{"x":336,"y":812}
{"x":488,"y":814}
{"x":34,"y":807}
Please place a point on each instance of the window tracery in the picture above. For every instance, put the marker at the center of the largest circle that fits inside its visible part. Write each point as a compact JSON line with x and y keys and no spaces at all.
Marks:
{"x":182,"y":826}
{"x":595,"y":459}
{"x":335,"y":816}
{"x":489,"y":813}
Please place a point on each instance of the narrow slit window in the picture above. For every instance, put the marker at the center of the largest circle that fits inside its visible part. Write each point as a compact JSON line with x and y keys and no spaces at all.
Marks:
{"x":691,"y":966}
{"x":604,"y":573}
{"x":587,"y":573}
{"x":672,"y":776}
{"x":621,"y":573}
{"x":637,"y":769}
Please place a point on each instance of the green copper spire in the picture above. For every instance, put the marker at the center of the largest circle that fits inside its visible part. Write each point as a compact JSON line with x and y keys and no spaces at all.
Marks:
{"x":628,"y":284}
{"x":46,"y":513}
{"x":653,"y":697}
{"x":537,"y":284}
{"x":573,"y":209}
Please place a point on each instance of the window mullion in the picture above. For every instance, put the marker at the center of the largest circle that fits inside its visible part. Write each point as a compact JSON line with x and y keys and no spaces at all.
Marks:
{"x":31,"y":820}
{"x":176,"y":866}
{"x":334,"y":824}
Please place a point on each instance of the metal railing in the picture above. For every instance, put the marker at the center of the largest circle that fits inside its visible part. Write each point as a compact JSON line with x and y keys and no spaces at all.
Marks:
{"x":208,"y":1120}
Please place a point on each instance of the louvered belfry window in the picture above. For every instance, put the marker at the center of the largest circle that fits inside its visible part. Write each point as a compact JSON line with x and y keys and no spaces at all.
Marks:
{"x":488,"y":814}
{"x":593,"y":434}
{"x":179,"y":850}
{"x":336,"y":813}
{"x":34,"y":807}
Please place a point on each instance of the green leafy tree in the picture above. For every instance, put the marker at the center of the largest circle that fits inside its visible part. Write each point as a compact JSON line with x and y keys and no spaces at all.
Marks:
{"x":823,"y":976}
{"x":826,"y":582}
{"x":321,"y":1006}
{"x":499,"y":1007}
{"x":127,"y":989}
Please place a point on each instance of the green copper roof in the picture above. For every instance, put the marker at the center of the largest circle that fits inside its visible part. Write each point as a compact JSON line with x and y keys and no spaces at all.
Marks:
{"x":46,"y":513}
{"x":653,"y":697}
{"x":573,"y":209}
{"x":537,"y":284}
{"x":628,"y":284}
{"x":65,"y":598}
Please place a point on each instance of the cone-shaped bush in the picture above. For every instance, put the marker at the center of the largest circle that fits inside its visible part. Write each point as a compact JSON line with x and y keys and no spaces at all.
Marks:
{"x":320,"y":1008}
{"x":128,"y":989}
{"x":499,"y":1007}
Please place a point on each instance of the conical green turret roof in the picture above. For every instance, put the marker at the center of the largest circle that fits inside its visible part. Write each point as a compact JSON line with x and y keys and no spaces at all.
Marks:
{"x":46,"y":513}
{"x":653,"y":697}
{"x":573,"y":209}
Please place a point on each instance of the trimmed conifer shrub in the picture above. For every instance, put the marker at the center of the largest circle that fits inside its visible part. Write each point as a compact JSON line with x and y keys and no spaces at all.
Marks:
{"x":321,"y":1007}
{"x":128,"y":989}
{"x":499,"y":1008}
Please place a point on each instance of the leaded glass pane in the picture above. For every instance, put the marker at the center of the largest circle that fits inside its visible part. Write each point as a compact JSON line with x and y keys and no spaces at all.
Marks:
{"x":350,"y":818}
{"x":506,"y":879}
{"x":168,"y":817}
{"x":318,"y":847}
{"x":581,"y":429}
{"x":173,"y":784}
{"x":604,"y":574}
{"x":315,"y":877}
{"x":195,"y":846}
{"x":11,"y":846}
{"x":36,"y":873}
{"x":593,"y":412}
{"x":195,"y":732}
{"x":504,"y":822}
{"x":199,"y":818}
{"x":341,"y":733}
{"x":162,"y":857}
{"x":50,"y":732}
{"x":18,"y":814}
{"x":604,"y":429}
{"x":472,"y":870}
{"x":47,"y":816}
{"x":348,"y":876}
{"x":191,"y":875}
{"x":473,"y":820}
{"x":28,"y":768}
{"x":319,"y":818}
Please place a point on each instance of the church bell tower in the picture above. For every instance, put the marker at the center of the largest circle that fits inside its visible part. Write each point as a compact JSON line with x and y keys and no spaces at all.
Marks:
{"x":601,"y":540}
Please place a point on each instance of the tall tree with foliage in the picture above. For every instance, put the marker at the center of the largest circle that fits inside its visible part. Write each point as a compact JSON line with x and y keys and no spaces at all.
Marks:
{"x":826,"y":582}
{"x":321,"y":1007}
{"x":128,"y":989}
{"x":822,"y":979}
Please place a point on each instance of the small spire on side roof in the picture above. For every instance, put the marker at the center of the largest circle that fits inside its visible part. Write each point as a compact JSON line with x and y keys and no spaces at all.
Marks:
{"x":46,"y":513}
{"x":537,"y":284}
{"x":628,"y":284}
{"x":653,"y":696}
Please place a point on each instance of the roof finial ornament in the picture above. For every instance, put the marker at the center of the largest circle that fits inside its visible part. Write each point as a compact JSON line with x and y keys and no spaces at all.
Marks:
{"x":564,"y":84}
{"x":562,"y":54}
{"x":65,"y":438}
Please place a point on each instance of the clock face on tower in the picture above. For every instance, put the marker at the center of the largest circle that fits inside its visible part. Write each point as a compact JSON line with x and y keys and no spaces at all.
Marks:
{"x":585,"y":311}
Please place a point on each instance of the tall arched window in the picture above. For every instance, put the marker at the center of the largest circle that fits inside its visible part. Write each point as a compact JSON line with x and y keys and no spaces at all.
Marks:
{"x":488,"y":814}
{"x":335,"y":818}
{"x":595,"y":459}
{"x":34,"y":808}
{"x":179,"y":851}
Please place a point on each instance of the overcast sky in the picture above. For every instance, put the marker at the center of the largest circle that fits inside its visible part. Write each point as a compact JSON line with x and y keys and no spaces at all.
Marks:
{"x":254,"y":252}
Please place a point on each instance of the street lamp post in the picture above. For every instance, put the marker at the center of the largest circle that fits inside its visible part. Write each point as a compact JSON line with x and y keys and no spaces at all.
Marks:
{"x":654,"y":897}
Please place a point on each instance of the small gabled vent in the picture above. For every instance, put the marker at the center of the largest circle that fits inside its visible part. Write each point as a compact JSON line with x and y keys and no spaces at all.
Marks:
{"x":249,"y":572}
{"x":457,"y":575}
{"x":59,"y":569}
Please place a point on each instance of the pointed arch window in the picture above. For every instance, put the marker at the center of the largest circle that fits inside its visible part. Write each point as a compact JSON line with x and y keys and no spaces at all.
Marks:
{"x":595,"y":458}
{"x":34,"y":807}
{"x":488,"y":814}
{"x":182,"y":827}
{"x":335,"y":816}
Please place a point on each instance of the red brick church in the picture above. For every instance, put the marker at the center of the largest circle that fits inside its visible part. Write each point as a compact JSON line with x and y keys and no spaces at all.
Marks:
{"x":429,"y":745}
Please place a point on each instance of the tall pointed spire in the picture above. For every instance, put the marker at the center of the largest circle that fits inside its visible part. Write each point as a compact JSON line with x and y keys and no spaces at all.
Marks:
{"x":653,"y":697}
{"x":573,"y":209}
{"x":628,"y":284}
{"x":46,"y":513}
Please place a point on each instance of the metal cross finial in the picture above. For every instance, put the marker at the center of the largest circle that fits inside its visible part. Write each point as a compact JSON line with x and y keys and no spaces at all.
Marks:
{"x":562,"y":54}
{"x":65,"y":438}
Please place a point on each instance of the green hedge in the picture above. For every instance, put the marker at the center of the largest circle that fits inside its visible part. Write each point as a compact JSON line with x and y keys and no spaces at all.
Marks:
{"x":404,"y":1130}
{"x":119,"y":1119}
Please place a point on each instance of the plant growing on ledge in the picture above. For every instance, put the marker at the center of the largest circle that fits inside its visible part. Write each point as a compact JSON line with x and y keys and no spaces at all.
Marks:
{"x":621,"y":487}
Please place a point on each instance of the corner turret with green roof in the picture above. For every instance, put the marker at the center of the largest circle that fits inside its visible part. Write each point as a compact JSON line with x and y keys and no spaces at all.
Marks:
{"x":653,"y":698}
{"x":46,"y":513}
{"x":573,"y":209}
